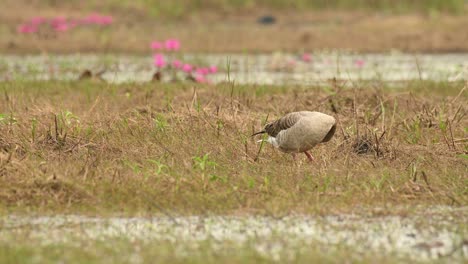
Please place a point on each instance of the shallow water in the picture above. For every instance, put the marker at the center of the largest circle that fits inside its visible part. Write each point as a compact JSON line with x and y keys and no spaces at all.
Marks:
{"x":435,"y":234}
{"x":275,"y":68}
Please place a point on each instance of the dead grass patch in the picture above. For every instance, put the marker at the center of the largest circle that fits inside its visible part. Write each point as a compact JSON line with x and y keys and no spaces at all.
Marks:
{"x":176,"y":147}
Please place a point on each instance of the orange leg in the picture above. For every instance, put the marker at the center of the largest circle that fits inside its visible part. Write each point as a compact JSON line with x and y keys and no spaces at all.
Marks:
{"x":309,"y":156}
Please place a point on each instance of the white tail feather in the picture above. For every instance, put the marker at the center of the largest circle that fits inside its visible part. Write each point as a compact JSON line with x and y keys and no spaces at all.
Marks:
{"x":270,"y":140}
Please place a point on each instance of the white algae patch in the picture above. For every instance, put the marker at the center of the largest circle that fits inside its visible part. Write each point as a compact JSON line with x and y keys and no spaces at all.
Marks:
{"x":246,"y":69}
{"x":422,"y":237}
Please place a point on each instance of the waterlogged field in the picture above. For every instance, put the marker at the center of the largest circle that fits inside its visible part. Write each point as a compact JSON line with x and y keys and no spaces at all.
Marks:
{"x":431,"y":234}
{"x":277,"y":68}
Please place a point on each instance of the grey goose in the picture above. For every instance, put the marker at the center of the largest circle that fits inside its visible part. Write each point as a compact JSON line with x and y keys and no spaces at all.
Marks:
{"x":298,"y":132}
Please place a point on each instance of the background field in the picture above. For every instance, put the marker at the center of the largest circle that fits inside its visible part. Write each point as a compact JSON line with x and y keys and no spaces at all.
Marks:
{"x":231,"y":26}
{"x":177,"y":9}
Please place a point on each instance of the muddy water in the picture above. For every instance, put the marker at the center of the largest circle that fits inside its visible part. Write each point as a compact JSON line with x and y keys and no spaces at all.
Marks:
{"x":438,"y":233}
{"x":253,"y":69}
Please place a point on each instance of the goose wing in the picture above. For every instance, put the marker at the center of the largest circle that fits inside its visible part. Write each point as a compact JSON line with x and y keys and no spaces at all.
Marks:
{"x":285,"y":122}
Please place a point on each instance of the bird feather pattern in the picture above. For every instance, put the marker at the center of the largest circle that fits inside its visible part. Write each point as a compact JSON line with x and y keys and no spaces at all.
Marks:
{"x":300,"y":131}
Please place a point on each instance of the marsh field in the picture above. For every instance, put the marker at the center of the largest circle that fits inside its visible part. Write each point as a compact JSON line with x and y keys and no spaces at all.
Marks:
{"x":125,"y":136}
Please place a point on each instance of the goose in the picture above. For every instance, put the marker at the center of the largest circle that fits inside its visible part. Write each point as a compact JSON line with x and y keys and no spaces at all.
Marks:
{"x":298,"y":132}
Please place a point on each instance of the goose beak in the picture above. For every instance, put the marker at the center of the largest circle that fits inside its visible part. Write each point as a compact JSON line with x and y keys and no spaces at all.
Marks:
{"x":258,"y":133}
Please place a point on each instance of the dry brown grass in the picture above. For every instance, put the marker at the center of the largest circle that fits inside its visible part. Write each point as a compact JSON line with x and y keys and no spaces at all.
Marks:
{"x":93,"y":147}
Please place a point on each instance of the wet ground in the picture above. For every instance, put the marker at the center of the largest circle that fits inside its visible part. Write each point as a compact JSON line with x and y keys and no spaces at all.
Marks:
{"x":275,"y":68}
{"x":437,"y":233}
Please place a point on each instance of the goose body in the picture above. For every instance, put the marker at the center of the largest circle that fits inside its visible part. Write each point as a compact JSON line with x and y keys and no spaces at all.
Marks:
{"x":300,"y":131}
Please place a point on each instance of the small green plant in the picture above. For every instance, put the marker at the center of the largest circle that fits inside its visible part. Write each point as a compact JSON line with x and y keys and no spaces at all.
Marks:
{"x":250,"y":181}
{"x":413,"y":170}
{"x":443,"y":123}
{"x":160,"y":123}
{"x":329,"y":90}
{"x":378,"y":183}
{"x":219,"y":126}
{"x":326,"y":184}
{"x":203,"y":163}
{"x":414,"y":130}
{"x":8,"y":119}
{"x":197,"y":105}
{"x":135,"y":167}
{"x":266,"y":182}
{"x":214,"y":177}
{"x":68,"y":118}
{"x":63,"y":122}
{"x":159,"y":167}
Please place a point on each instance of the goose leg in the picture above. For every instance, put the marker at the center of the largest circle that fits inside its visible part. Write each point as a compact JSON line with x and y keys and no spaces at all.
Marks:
{"x":309,"y":156}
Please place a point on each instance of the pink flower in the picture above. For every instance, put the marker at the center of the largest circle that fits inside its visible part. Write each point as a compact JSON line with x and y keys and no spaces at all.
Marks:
{"x":359,"y":63}
{"x":98,"y":19}
{"x":172,"y":44}
{"x":200,"y":78}
{"x":159,"y":60}
{"x":202,"y":71}
{"x":213,"y":69}
{"x":306,"y":57}
{"x":156,"y":45}
{"x":177,"y":64}
{"x":61,"y":27}
{"x":60,"y":24}
{"x":37,"y":20}
{"x":58,"y":21}
{"x":187,"y":68}
{"x":105,"y":20}
{"x":26,"y":28}
{"x":92,"y":19}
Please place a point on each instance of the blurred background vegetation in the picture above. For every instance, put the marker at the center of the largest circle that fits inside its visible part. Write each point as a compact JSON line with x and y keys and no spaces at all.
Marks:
{"x":238,"y":25}
{"x":168,"y":8}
